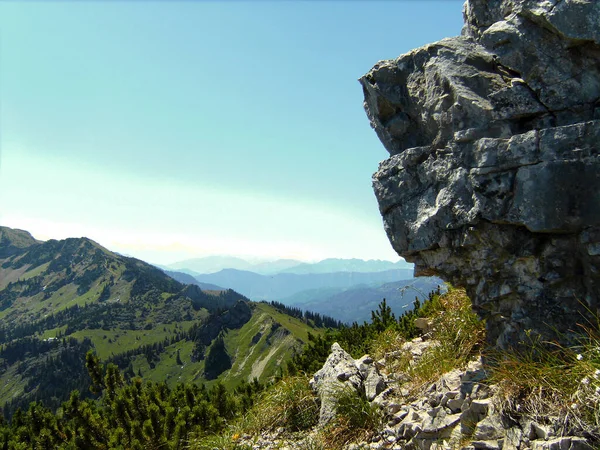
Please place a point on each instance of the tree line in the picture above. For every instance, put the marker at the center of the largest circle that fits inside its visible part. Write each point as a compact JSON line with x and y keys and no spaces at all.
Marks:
{"x":314,"y":319}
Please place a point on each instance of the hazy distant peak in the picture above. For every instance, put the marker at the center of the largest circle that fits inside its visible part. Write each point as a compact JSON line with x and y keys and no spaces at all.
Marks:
{"x":272,"y":267}
{"x":331,"y":265}
{"x":214,"y":264}
{"x":211,"y":264}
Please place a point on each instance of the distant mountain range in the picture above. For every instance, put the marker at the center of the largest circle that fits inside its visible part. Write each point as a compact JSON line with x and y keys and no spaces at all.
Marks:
{"x":281,"y":285}
{"x":186,"y":278}
{"x":209,"y":264}
{"x":213,"y":264}
{"x":356,"y":303}
{"x":343,"y":296}
{"x":345,"y":289}
{"x":349,"y":265}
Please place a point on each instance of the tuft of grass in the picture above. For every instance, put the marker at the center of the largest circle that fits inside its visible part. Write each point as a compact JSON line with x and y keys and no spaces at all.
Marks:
{"x":226,"y":440}
{"x":386,"y":342}
{"x":551,"y":383}
{"x":313,"y":442}
{"x":356,"y":420}
{"x":455,"y":326}
{"x":289,"y":404}
{"x":457,"y":335}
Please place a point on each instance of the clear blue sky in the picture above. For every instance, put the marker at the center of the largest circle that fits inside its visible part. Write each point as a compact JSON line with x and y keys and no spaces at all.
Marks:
{"x":169,"y":130}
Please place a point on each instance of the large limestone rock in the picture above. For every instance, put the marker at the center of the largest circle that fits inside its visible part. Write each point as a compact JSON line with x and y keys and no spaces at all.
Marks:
{"x":340,"y":372}
{"x":493,"y":179}
{"x":339,"y":368}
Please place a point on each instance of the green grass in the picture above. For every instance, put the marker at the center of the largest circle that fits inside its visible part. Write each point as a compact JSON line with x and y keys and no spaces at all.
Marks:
{"x":290,"y":404}
{"x":53,"y":332}
{"x":109,"y":342}
{"x":355,"y":420}
{"x":545,"y":380}
{"x":296,"y":326}
{"x":458,"y":333}
{"x":261,"y":360}
{"x":168,"y":370}
{"x":63,"y":298}
{"x":248,"y":360}
{"x":34,"y":272}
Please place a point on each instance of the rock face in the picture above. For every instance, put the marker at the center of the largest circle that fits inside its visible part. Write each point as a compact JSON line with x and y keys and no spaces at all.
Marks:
{"x":493,"y":182}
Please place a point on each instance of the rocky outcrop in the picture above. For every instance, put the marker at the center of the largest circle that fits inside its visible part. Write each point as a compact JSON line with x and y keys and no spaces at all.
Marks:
{"x":339,"y":371}
{"x":462,"y":409}
{"x":459,"y":410}
{"x":493,"y":182}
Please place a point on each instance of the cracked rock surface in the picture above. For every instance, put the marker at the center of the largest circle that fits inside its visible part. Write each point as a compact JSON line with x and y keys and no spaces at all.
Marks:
{"x":493,"y":180}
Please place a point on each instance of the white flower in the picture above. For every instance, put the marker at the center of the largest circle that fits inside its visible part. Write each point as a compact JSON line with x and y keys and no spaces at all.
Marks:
{"x":573,"y":405}
{"x":585,"y":380}
{"x":597,"y":373}
{"x":598,"y":390}
{"x":579,"y":357}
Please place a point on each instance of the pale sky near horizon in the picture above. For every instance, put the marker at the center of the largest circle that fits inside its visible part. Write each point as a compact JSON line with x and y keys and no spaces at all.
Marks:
{"x":172,"y":130}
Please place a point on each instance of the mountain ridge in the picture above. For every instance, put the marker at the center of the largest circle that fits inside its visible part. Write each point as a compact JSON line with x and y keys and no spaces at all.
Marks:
{"x":60,"y":299}
{"x":214,"y":264}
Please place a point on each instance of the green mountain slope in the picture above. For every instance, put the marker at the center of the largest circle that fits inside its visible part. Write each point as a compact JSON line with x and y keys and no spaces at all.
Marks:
{"x":58,"y":299}
{"x":257,"y":349}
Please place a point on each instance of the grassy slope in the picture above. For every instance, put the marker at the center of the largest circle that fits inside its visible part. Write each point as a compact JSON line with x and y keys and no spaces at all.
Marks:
{"x":23,"y":273}
{"x":111,"y":342}
{"x":35,"y":307}
{"x":274,"y":345}
{"x":261,"y":360}
{"x":11,"y":384}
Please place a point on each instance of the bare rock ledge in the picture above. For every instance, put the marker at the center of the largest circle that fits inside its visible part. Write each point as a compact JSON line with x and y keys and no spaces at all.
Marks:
{"x":493,"y":180}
